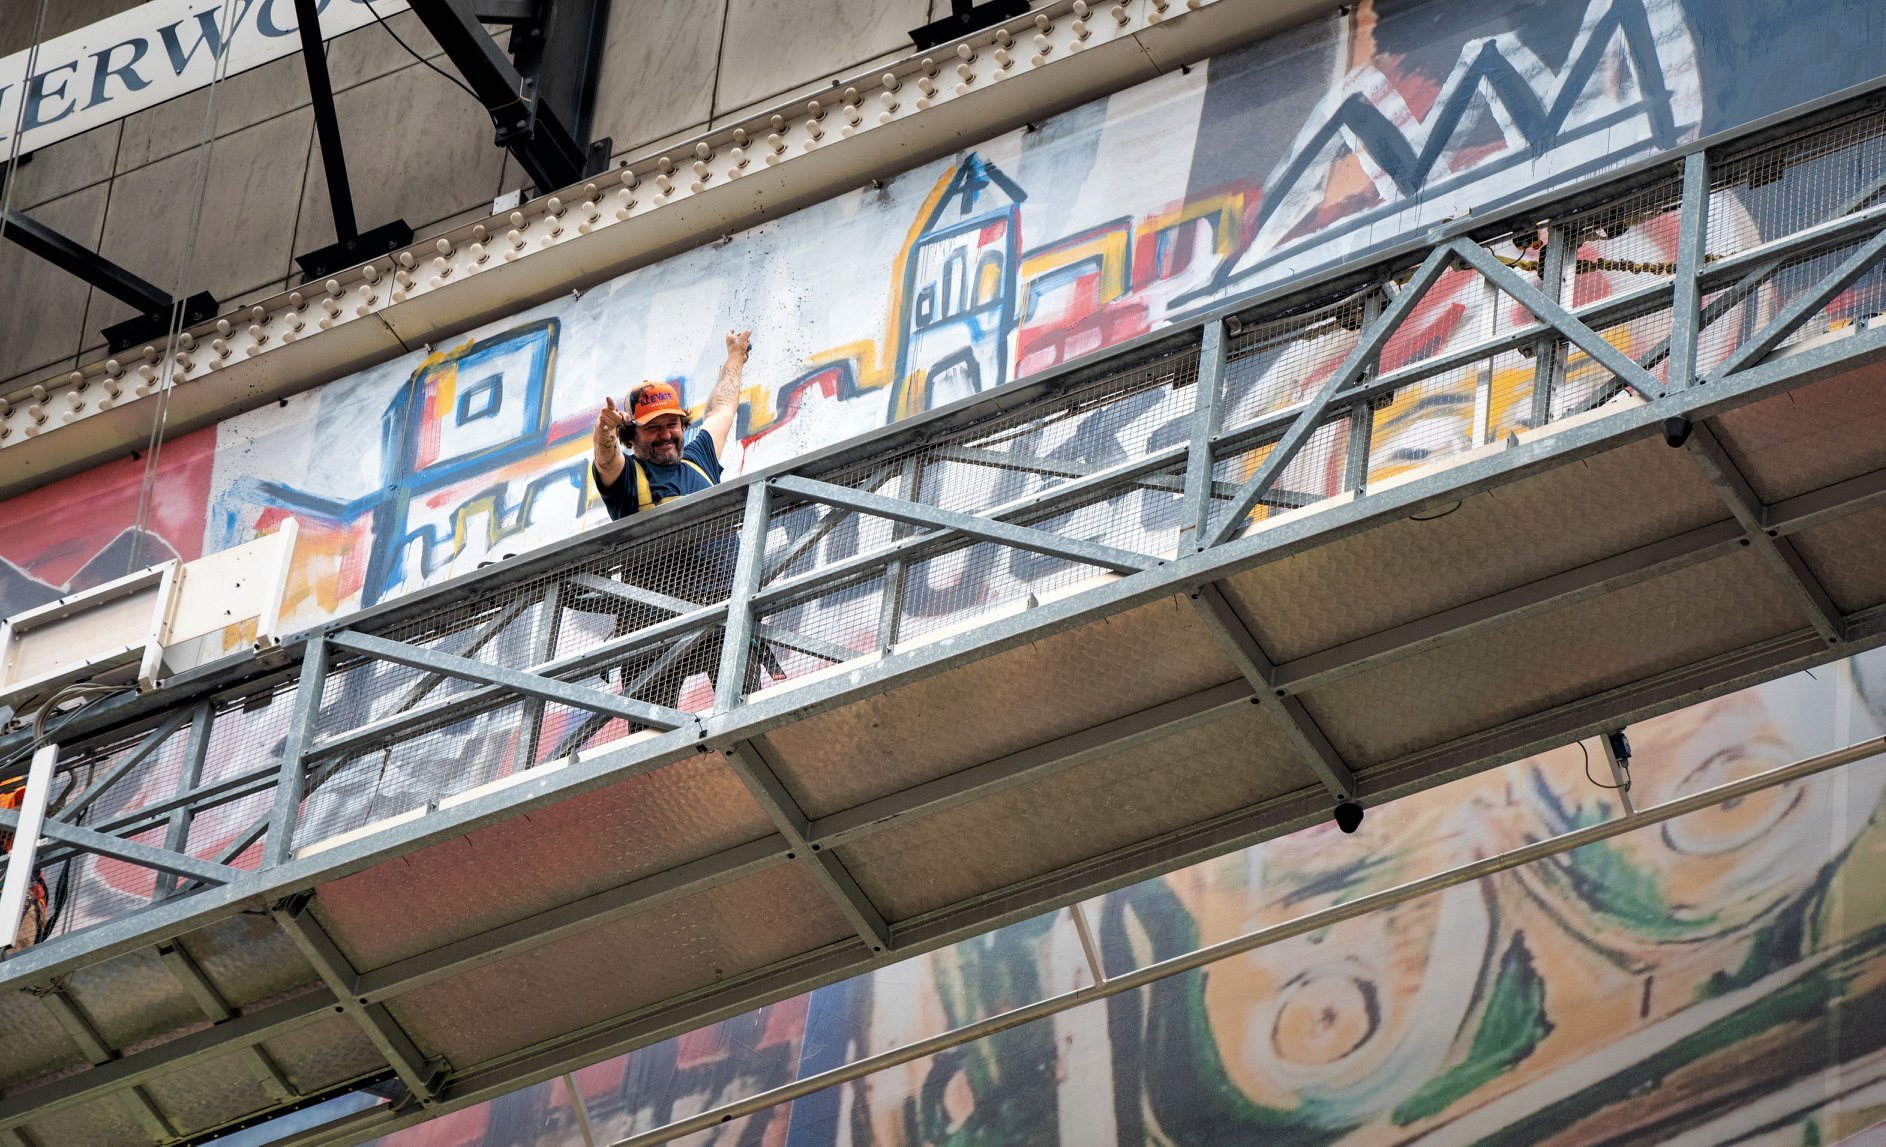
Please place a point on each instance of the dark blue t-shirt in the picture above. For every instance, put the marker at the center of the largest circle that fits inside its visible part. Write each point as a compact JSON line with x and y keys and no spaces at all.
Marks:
{"x":664,"y":482}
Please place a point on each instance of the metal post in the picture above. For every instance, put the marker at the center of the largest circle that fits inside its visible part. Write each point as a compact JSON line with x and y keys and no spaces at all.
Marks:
{"x":581,"y":1109}
{"x":1482,"y":432}
{"x":21,"y":861}
{"x":730,"y":684}
{"x":177,"y":835}
{"x":1548,"y":360}
{"x":1207,"y":401}
{"x":1374,"y":337}
{"x":1095,"y":968}
{"x":281,"y":828}
{"x":1620,"y":776}
{"x":896,"y":571}
{"x":543,"y":648}
{"x":340,"y":196}
{"x":1692,"y":244}
{"x":1362,"y":417}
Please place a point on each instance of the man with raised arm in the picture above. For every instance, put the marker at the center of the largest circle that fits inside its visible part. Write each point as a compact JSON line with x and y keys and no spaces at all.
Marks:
{"x":665,"y":457}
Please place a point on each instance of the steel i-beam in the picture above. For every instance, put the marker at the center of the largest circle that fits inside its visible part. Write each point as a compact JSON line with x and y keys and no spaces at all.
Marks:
{"x":1237,"y":642}
{"x":749,"y":761}
{"x":1777,"y":551}
{"x":420,"y":1075}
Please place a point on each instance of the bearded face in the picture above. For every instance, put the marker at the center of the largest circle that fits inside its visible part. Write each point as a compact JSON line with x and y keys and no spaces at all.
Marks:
{"x":660,"y":441}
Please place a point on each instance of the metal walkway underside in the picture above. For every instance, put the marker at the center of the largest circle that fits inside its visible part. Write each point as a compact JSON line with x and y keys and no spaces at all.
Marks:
{"x":1034,"y":645}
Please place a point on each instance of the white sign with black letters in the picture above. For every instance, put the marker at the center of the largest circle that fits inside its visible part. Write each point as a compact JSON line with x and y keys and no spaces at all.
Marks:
{"x":149,"y":54}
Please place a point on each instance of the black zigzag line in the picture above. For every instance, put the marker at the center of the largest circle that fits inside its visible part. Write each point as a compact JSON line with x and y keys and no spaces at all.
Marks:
{"x":1391,"y":151}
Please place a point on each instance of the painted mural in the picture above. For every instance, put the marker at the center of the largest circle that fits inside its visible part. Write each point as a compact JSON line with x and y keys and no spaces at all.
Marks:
{"x":1721,"y":979}
{"x":1032,"y":249}
{"x":1718,"y":979}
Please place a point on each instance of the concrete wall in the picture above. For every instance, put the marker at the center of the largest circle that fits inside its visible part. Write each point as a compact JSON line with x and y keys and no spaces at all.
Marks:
{"x":417,"y":148}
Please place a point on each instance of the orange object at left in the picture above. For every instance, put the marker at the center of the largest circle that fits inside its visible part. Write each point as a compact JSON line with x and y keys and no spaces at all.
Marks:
{"x":33,"y":919}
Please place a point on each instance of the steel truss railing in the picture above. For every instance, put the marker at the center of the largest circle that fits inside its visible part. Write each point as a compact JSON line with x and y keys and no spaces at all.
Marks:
{"x":604,"y":630}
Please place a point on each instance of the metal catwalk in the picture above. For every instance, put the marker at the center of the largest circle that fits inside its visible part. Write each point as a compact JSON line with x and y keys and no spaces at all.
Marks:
{"x":1043,"y":642}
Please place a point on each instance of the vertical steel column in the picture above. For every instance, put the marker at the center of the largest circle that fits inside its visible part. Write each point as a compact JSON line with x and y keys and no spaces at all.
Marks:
{"x":1362,"y":417}
{"x":177,"y":835}
{"x":544,"y":648}
{"x":1364,"y":354}
{"x":1095,"y":967}
{"x":1207,"y":400}
{"x":1483,"y":374}
{"x":326,"y":125}
{"x":153,"y":741}
{"x":1548,"y":359}
{"x":1620,"y":776}
{"x":581,"y":1109}
{"x":23,"y":859}
{"x":1692,"y":246}
{"x":730,"y":685}
{"x":896,"y":571}
{"x":281,"y":829}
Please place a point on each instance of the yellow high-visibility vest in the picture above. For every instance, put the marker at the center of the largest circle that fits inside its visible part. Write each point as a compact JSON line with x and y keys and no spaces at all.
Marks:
{"x":645,"y":497}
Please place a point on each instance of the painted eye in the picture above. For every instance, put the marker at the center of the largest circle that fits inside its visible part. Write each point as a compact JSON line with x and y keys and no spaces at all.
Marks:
{"x":1733,"y":824}
{"x":1323,"y":1017}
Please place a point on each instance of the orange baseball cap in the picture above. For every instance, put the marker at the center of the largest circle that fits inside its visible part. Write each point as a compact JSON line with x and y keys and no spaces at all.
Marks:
{"x":651,"y":400}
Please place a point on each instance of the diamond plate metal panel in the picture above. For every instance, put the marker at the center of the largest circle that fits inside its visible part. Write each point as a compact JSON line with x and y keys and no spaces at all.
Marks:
{"x":929,"y":862}
{"x":105,"y":1123}
{"x":132,"y":998}
{"x":35,"y":1044}
{"x":644,"y":825}
{"x":942,"y":724}
{"x":1812,"y":436}
{"x":209,"y":1094}
{"x":621,"y":966}
{"x":324,"y":1054}
{"x":248,"y":958}
{"x":1848,"y":555}
{"x":1554,"y":658}
{"x":1515,"y":534}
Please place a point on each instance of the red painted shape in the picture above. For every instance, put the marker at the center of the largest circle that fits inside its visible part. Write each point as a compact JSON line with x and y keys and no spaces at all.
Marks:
{"x":53,"y":531}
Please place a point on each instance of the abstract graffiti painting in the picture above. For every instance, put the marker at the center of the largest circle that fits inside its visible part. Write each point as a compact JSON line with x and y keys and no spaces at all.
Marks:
{"x":1716,"y":979}
{"x":1032,"y":249}
{"x":1029,"y":250}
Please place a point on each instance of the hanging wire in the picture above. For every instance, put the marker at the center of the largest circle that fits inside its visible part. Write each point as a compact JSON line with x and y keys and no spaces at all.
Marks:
{"x":37,"y":722}
{"x":19,"y":117}
{"x":160,"y":413}
{"x":449,"y":78}
{"x":1624,"y":766}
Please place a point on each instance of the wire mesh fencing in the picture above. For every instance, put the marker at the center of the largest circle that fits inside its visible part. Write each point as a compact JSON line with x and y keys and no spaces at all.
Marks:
{"x":1789,"y":185}
{"x":1100,"y":462}
{"x":1097,"y":459}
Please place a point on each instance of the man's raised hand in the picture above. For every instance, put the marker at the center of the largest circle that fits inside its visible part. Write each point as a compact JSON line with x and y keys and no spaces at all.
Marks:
{"x":609,"y":422}
{"x":740,"y":342}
